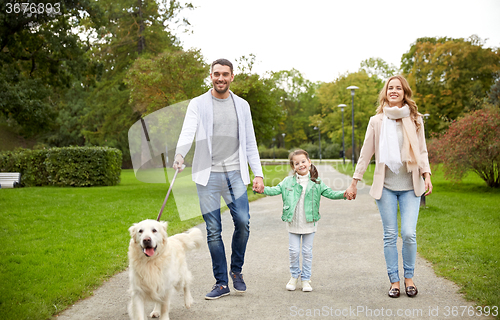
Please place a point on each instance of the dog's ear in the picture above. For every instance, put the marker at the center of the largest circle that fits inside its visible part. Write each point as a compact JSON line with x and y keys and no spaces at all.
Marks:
{"x":163,"y":231}
{"x":133,"y":231}
{"x":164,"y":225}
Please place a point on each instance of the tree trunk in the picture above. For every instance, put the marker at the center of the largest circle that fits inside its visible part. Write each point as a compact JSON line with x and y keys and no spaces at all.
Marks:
{"x":140,"y":43}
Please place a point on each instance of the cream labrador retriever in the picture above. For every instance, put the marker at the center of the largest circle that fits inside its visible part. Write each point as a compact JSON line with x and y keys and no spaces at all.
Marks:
{"x":157,"y":267}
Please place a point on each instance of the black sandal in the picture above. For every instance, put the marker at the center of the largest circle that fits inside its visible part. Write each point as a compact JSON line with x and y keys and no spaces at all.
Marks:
{"x":393,"y":292}
{"x":411,"y":291}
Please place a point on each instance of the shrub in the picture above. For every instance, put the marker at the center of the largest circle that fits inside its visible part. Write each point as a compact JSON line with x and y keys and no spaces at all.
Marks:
{"x":312,"y":150}
{"x":472,"y":143}
{"x":70,"y":166}
{"x":277,"y":153}
{"x":328,"y":150}
{"x":84,"y":167}
{"x":331,"y":151}
{"x":29,"y":162}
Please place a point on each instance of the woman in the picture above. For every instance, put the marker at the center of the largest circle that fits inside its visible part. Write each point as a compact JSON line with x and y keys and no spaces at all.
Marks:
{"x":402,"y":174}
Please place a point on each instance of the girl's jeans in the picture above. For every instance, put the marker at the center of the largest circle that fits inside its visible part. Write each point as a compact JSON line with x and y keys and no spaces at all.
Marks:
{"x":294,"y":249}
{"x":234,"y":192}
{"x":409,"y":205}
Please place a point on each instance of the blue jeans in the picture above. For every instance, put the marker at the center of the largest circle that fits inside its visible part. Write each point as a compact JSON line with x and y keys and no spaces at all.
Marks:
{"x":409,"y":205}
{"x":294,"y":250}
{"x":234,"y":192}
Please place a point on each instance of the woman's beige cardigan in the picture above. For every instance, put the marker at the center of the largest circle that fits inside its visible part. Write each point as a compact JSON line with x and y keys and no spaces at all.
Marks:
{"x":371,"y":146}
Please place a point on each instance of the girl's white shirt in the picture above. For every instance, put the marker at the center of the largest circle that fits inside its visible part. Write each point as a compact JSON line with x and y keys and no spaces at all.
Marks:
{"x":299,"y":224}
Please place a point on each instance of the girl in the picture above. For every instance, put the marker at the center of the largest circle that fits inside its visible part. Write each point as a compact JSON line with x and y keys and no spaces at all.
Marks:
{"x":301,"y":194}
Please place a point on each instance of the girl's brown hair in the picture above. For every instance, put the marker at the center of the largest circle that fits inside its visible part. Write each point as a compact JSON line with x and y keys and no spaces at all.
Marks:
{"x":382,"y":99}
{"x":314,"y":171}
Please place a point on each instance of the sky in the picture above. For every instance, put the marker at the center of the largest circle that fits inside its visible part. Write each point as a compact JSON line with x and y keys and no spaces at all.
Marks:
{"x":324,"y":39}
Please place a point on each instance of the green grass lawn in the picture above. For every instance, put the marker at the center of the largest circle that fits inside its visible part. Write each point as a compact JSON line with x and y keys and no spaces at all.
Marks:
{"x":59,"y":244}
{"x":459,"y":233}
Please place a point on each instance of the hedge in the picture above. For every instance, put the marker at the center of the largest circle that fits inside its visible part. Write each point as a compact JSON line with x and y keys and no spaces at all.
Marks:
{"x":69,"y":166}
{"x":29,"y":162}
{"x":328,"y":151}
{"x":277,"y":153}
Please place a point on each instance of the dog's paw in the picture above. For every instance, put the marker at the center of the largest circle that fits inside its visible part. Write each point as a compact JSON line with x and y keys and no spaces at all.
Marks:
{"x":188,"y":301}
{"x":154,"y":314}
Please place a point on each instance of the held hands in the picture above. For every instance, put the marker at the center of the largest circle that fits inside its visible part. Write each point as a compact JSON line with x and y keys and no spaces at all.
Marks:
{"x":352,"y":191}
{"x":346,"y":196}
{"x":258,"y":185}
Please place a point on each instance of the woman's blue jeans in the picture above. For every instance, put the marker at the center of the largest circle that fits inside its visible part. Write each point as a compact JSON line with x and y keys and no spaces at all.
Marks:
{"x":409,"y":205}
{"x":307,"y":255}
{"x":231,"y":188}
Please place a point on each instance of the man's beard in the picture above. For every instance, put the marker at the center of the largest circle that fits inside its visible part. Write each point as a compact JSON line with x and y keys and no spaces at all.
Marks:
{"x":221,"y":91}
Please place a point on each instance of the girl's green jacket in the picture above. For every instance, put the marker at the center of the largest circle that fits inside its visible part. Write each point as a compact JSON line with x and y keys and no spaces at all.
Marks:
{"x":291,"y":190}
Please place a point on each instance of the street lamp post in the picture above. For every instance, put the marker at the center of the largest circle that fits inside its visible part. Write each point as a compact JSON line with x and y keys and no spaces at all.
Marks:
{"x":319,"y":132}
{"x":342,"y":106}
{"x":283,"y":134}
{"x":352,"y":88}
{"x":426,"y":116}
{"x":422,"y":198}
{"x":274,"y":143}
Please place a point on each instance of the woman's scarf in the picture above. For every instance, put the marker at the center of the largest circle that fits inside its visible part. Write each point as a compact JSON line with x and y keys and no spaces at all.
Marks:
{"x":389,"y":152}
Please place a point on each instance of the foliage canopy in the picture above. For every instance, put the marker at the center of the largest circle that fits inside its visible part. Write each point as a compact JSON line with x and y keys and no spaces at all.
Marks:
{"x":334,"y":93}
{"x":450,"y":77}
{"x":472,"y":143}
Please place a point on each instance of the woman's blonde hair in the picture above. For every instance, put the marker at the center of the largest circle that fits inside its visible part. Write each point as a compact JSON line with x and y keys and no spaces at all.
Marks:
{"x":382,"y":98}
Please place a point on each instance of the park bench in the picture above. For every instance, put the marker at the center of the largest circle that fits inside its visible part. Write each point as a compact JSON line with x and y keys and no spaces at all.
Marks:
{"x":9,"y":179}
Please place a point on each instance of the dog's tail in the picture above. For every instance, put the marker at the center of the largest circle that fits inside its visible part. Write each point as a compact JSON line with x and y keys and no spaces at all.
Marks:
{"x":191,"y":239}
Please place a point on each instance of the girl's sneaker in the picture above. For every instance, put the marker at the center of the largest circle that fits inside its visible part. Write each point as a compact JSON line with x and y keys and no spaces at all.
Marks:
{"x":306,"y":286}
{"x":292,"y":284}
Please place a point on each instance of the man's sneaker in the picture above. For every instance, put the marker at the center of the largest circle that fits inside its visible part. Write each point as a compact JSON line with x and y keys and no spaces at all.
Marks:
{"x":217,"y":292}
{"x":306,"y":286}
{"x":238,"y":283}
{"x":292,"y":284}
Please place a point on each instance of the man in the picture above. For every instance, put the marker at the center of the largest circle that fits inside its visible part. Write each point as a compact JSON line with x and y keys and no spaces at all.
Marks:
{"x":225,"y":145}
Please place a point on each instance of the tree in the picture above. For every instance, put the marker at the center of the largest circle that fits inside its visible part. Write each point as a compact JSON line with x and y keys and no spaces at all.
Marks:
{"x":472,"y":143}
{"x":40,"y":56}
{"x":137,"y":28}
{"x":450,"y":76}
{"x":257,"y":91}
{"x":43,"y":45}
{"x":494,"y":96}
{"x":365,"y":103}
{"x":24,"y":101}
{"x":298,"y":101}
{"x":109,"y":117}
{"x":166,"y":79}
{"x":378,"y":67}
{"x":67,"y":130}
